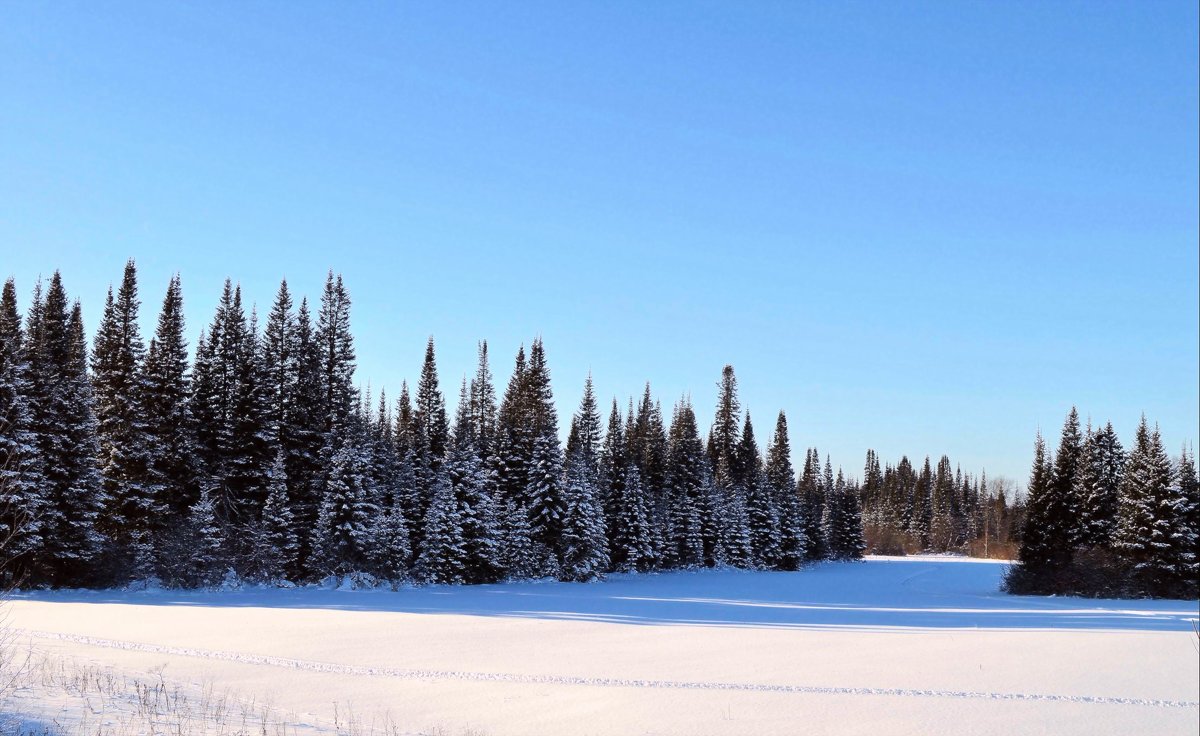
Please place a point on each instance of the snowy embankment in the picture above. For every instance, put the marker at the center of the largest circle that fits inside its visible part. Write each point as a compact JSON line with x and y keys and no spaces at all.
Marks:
{"x":886,"y":646}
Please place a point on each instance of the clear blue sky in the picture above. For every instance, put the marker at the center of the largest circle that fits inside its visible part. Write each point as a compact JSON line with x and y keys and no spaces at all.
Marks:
{"x":922,"y":228}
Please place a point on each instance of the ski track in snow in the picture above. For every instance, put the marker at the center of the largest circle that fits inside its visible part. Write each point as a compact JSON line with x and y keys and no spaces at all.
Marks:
{"x":419,"y":674}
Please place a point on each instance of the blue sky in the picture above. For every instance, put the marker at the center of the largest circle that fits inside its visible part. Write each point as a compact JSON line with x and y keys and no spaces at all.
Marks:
{"x":923,"y":228}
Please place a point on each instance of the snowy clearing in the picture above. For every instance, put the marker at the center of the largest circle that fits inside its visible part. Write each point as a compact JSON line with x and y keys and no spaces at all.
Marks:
{"x":891,"y":645}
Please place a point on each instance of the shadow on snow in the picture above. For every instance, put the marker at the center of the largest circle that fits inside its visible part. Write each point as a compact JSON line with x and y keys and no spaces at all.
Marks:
{"x":879,"y":593}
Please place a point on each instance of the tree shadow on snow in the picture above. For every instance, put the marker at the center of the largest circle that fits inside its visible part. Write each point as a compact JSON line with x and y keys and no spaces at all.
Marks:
{"x":880,"y":593}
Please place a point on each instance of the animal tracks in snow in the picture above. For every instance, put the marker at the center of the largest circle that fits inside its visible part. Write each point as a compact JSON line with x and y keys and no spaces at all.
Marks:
{"x":534,"y":679}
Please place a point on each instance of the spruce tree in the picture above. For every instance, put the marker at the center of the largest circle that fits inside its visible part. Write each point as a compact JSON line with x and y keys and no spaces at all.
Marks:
{"x":119,"y":398}
{"x":21,"y":485}
{"x":205,"y":545}
{"x":686,"y":475}
{"x":633,"y":549}
{"x":520,"y":556}
{"x":342,"y":539}
{"x":1152,"y":530}
{"x":443,"y":557}
{"x":230,"y":413}
{"x":335,"y":345}
{"x":482,"y":415}
{"x":171,"y":466}
{"x":614,"y":464}
{"x":585,"y":544}
{"x":543,"y":493}
{"x":854,"y":542}
{"x":302,"y":434}
{"x":843,"y":521}
{"x":1189,"y":487}
{"x":276,"y":540}
{"x":393,"y":549}
{"x":586,"y":432}
{"x":65,"y":427}
{"x":481,"y":532}
{"x":724,"y":436}
{"x":1067,"y":462}
{"x":429,"y":440}
{"x":943,"y":529}
{"x":921,"y":524}
{"x":278,"y":362}
{"x":781,"y":480}
{"x":1098,"y":484}
{"x":430,"y":412}
{"x":733,"y":528}
{"x":514,"y":437}
{"x":647,"y":442}
{"x":1046,"y":539}
{"x":252,"y":449}
{"x":760,"y":503}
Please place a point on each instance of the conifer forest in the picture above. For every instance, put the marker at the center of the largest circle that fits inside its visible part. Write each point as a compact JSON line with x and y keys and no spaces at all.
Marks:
{"x":253,"y":456}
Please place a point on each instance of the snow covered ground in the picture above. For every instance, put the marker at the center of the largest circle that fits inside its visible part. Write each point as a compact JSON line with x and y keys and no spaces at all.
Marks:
{"x":891,"y":645}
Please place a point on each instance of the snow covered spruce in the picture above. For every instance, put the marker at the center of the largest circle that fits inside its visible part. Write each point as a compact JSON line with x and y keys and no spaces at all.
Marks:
{"x":1103,"y":522}
{"x":261,"y":460}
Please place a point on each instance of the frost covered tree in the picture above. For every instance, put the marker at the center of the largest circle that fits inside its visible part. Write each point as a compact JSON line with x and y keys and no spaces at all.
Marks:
{"x":230,"y":413}
{"x":686,"y":475}
{"x":843,"y":522}
{"x":1152,"y":528}
{"x":586,"y":433}
{"x":647,"y":443}
{"x":781,"y":482}
{"x":430,"y":411}
{"x":302,"y":434}
{"x":428,"y":440}
{"x":812,"y":500}
{"x":64,"y":425}
{"x":443,"y":557}
{"x":335,"y":346}
{"x":1098,"y":483}
{"x":204,"y":549}
{"x":543,"y":493}
{"x":276,"y":541}
{"x":921,"y":524}
{"x":724,"y":435}
{"x":514,"y":436}
{"x":633,"y":549}
{"x":1067,"y":462}
{"x":1189,"y":487}
{"x":392,"y":550}
{"x":342,"y":539}
{"x":171,"y":461}
{"x":134,"y":510}
{"x":585,"y":544}
{"x":1046,"y":540}
{"x":481,"y":427}
{"x":760,"y":503}
{"x":481,"y":532}
{"x":21,"y":489}
{"x":733,"y":547}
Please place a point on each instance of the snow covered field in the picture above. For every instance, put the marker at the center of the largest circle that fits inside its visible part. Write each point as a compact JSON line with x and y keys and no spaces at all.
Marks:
{"x":892,"y":645}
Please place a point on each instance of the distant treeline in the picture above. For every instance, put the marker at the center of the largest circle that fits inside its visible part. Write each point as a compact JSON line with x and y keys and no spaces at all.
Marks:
{"x":260,"y":460}
{"x":1101,"y":521}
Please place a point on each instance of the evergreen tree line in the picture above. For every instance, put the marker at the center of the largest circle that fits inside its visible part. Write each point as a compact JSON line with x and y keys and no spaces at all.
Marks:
{"x":260,"y":460}
{"x":1103,"y":521}
{"x":938,"y":509}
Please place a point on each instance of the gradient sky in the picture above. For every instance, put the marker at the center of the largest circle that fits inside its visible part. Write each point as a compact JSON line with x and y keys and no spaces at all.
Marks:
{"x":925,"y":227}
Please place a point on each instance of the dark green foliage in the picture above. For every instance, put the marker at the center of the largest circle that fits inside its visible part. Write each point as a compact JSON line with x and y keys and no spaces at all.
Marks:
{"x":265,"y":462}
{"x":781,"y":481}
{"x":119,"y":391}
{"x":60,"y":399}
{"x":21,"y":484}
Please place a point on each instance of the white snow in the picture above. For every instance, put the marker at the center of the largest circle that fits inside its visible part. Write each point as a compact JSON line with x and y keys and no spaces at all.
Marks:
{"x":890,"y":645}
